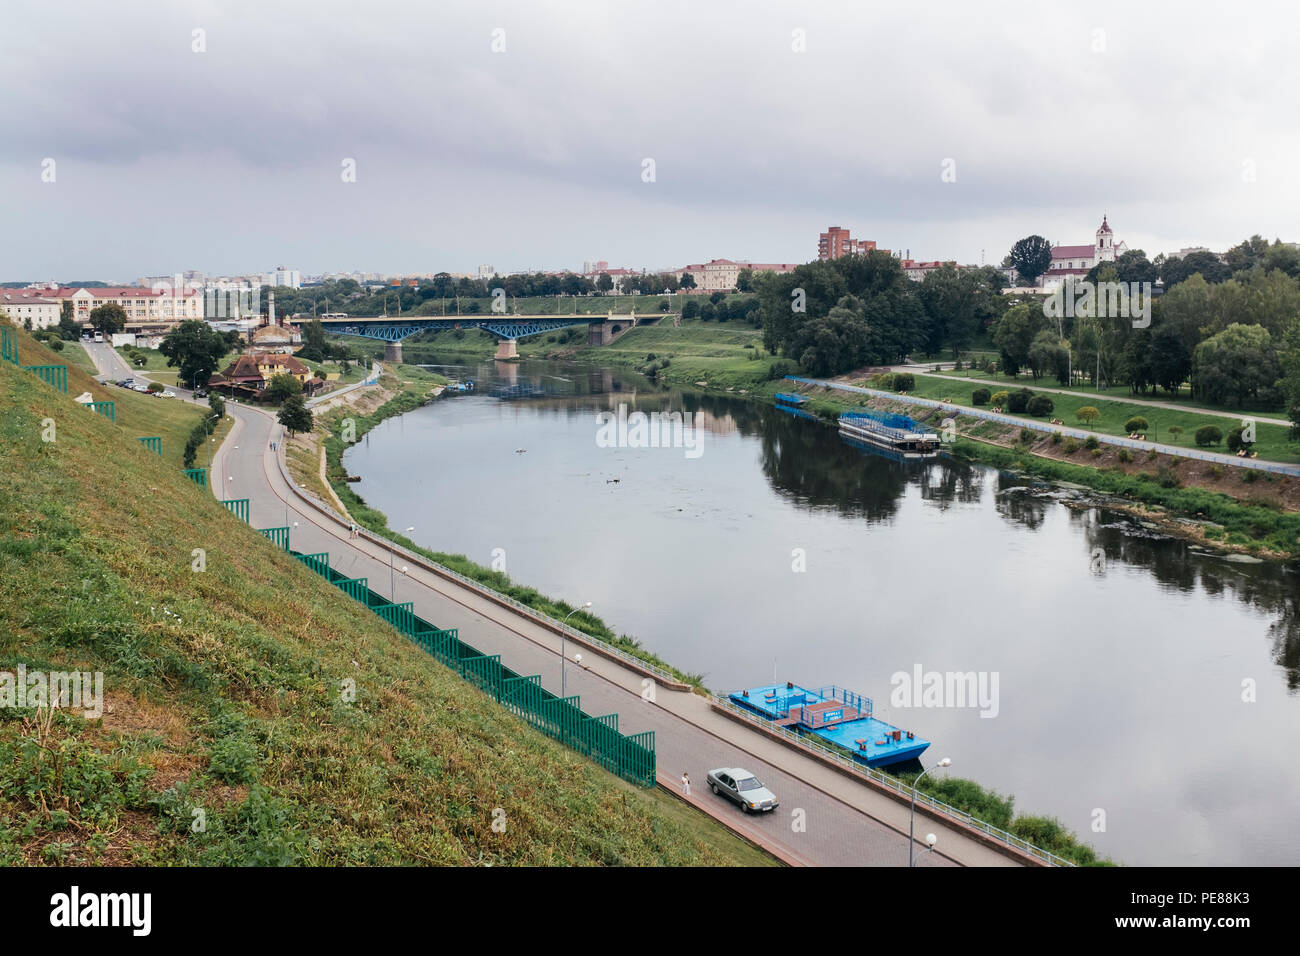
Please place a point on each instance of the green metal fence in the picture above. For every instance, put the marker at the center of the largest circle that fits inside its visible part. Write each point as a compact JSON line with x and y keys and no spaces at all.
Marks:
{"x":8,"y":344}
{"x":631,"y":756}
{"x":197,"y":475}
{"x":152,"y":442}
{"x":107,"y":409}
{"x":277,"y":536}
{"x":237,"y":507}
{"x":56,"y":376}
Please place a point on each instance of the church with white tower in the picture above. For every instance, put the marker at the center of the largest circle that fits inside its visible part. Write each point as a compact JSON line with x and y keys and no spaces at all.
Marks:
{"x":1077,"y":261}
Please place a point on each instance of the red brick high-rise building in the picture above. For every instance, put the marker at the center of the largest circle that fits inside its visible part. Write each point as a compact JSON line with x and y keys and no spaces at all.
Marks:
{"x":836,"y":242}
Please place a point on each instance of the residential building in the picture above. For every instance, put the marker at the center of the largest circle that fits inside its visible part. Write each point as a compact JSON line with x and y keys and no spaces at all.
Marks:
{"x":25,"y":306}
{"x":722,"y":275}
{"x":917,"y":271}
{"x":249,"y":374}
{"x":836,"y":242}
{"x":143,"y":307}
{"x":290,"y":278}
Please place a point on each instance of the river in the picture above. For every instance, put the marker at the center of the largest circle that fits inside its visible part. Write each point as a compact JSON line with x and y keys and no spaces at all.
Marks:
{"x":1148,"y":693}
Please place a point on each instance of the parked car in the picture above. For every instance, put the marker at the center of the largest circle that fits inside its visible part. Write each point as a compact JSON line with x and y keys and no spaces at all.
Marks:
{"x":139,"y":388}
{"x":126,"y":382}
{"x":742,"y":787}
{"x":200,"y":392}
{"x":167,"y":393}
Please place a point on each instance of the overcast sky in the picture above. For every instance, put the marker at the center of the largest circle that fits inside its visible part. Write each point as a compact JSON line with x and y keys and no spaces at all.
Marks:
{"x":1178,"y":120}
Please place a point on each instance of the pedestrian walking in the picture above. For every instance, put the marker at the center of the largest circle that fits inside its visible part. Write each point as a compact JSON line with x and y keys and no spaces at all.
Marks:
{"x":686,"y":783}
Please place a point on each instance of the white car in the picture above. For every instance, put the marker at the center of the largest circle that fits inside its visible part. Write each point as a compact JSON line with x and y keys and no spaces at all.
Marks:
{"x":742,"y":787}
{"x":139,"y":388}
{"x":168,"y":394}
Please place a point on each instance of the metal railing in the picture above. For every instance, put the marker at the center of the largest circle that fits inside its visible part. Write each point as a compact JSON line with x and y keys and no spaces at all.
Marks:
{"x":152,"y":442}
{"x":107,"y":409}
{"x":884,"y":779}
{"x":629,"y":756}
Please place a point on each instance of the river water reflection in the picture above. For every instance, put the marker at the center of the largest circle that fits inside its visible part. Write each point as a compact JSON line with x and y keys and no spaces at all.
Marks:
{"x":1122,"y":658}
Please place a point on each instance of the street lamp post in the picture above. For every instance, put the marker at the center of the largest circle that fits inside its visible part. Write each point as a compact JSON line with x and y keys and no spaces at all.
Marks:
{"x":562,"y":623}
{"x":392,"y":577}
{"x":911,"y":829}
{"x":930,"y":841}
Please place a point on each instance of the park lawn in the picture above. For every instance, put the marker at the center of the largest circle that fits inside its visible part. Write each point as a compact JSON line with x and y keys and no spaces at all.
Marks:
{"x":1183,"y":396}
{"x":155,"y":363}
{"x":1273,"y":442}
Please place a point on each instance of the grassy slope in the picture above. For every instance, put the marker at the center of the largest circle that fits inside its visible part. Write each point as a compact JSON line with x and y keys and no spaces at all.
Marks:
{"x":1273,"y":441}
{"x":223,"y":693}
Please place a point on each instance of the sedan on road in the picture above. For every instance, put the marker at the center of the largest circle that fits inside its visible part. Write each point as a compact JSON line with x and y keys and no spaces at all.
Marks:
{"x":742,"y":787}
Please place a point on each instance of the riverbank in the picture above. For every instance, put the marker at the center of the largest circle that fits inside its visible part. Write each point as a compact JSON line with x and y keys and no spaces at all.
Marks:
{"x":1216,"y":506}
{"x":410,"y":388}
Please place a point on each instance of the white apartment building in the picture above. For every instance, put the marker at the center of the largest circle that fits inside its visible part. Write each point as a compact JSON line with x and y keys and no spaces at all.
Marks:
{"x":29,"y":305}
{"x":142,"y":306}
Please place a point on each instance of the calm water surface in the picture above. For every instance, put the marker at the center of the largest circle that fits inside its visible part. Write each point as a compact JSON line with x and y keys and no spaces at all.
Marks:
{"x":1120,"y":656}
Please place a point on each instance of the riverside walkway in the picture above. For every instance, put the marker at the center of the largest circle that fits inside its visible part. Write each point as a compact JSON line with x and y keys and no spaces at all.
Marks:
{"x":1277,"y":468}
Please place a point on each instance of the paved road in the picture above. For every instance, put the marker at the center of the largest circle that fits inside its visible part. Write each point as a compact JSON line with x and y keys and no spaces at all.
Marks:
{"x":845,"y":822}
{"x":825,"y":818}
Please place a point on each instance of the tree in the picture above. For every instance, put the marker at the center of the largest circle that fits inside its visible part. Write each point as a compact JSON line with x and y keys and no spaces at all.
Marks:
{"x":108,"y":318}
{"x":1030,"y":257}
{"x":197,"y":348}
{"x":688,"y":280}
{"x":1209,"y":435}
{"x":604,"y":283}
{"x":1238,"y":365}
{"x":282,"y":387}
{"x":1087,"y":414}
{"x":295,"y":415}
{"x":1014,"y":335}
{"x":68,"y":327}
{"x":745,"y":280}
{"x":1170,"y":361}
{"x":1207,"y":264}
{"x":1048,"y":356}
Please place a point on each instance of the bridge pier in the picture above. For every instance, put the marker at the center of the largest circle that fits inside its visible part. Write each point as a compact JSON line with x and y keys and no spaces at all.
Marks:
{"x":507,"y":349}
{"x":393,"y":352}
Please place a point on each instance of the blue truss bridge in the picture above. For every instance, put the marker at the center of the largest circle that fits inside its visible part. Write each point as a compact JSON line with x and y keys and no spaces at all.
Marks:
{"x":507,"y":328}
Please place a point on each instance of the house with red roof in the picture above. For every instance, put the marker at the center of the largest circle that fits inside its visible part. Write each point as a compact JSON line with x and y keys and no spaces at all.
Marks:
{"x":248,"y":375}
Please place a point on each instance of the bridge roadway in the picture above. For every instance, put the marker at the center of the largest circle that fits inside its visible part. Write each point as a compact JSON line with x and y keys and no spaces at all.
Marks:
{"x":846,"y":822}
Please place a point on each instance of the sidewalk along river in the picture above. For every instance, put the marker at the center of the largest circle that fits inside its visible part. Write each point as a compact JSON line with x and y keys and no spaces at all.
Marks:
{"x":1143,"y":692}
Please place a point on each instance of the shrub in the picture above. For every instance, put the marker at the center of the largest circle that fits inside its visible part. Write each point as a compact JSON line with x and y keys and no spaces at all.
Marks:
{"x":1236,"y":441}
{"x":1136,"y":424}
{"x":1249,"y":475}
{"x":1071,"y":446}
{"x":1056,"y":438}
{"x":1091,"y":442}
{"x":154,"y":387}
{"x":884,"y":381}
{"x":904,"y":381}
{"x":980,"y":396}
{"x":1018,"y":400}
{"x":56,"y":345}
{"x":1087,"y":413}
{"x":1167,"y":478}
{"x":1124,"y":455}
{"x":999,"y":399}
{"x":1040,"y":405}
{"x":780,"y":369}
{"x":1175,"y":431}
{"x":1026,"y":436}
{"x":1209,"y":435}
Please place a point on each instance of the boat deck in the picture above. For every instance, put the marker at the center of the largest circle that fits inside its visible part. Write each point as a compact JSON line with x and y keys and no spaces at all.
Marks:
{"x":838,"y":716}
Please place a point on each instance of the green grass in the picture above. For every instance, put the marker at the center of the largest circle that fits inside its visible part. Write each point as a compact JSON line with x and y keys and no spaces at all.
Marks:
{"x":223,"y":694}
{"x":75,"y":352}
{"x":1273,"y":442}
{"x":1183,"y":396}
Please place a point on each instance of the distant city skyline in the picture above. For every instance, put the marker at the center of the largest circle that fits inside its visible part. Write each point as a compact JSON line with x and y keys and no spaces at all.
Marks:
{"x":156,"y":138}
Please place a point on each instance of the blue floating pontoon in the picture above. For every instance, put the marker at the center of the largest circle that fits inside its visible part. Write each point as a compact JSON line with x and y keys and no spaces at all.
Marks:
{"x":837,"y":715}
